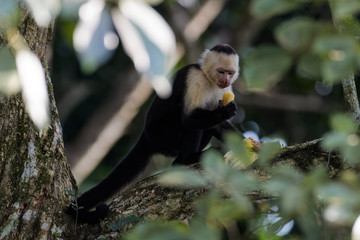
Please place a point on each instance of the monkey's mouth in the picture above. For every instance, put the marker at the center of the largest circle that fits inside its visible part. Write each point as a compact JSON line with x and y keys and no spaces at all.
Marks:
{"x":223,"y":84}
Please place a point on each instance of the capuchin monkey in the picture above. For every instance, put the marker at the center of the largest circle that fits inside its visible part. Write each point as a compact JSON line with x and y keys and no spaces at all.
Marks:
{"x":179,"y":126}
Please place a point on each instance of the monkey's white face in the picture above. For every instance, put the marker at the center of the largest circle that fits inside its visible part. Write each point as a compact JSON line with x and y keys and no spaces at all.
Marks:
{"x":224,"y":77}
{"x":205,"y":88}
{"x":221,"y":69}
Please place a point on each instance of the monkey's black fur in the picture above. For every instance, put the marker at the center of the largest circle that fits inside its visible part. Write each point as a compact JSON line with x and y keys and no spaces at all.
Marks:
{"x":223,"y":48}
{"x":168,"y":131}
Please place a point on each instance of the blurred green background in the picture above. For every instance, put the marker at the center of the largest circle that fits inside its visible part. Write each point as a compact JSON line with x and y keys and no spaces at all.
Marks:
{"x":294,"y":109}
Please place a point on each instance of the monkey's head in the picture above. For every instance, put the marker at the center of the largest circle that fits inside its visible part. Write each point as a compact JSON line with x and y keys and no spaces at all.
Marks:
{"x":220,"y":65}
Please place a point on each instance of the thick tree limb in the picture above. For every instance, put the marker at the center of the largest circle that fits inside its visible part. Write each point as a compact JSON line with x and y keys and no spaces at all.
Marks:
{"x":148,"y":201}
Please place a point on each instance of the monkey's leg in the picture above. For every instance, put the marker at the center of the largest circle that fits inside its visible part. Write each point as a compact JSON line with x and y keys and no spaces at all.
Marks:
{"x":190,"y":150}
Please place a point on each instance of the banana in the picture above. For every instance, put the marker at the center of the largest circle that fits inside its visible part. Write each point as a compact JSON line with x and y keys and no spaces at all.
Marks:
{"x":227,"y":97}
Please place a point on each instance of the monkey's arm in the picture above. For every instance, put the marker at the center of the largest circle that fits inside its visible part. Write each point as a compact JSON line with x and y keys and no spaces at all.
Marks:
{"x":219,"y":130}
{"x":204,"y":119}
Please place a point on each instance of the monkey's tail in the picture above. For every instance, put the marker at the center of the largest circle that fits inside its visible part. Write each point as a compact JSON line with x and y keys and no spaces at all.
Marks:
{"x":126,"y":171}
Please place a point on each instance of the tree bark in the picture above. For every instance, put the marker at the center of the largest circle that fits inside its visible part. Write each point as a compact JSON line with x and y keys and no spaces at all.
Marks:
{"x":148,"y":201}
{"x":34,"y":174}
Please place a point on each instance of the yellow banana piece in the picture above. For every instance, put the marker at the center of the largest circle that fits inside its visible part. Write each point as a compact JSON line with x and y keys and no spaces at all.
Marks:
{"x":227,"y":97}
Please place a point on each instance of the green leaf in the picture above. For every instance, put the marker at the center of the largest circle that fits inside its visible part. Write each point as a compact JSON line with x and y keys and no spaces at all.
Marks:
{"x":159,"y":231}
{"x":275,"y":187}
{"x":265,"y":66}
{"x":296,"y":35}
{"x":268,"y":151}
{"x":213,"y":164}
{"x":285,"y":177}
{"x":342,"y":123}
{"x":206,"y":203}
{"x":345,"y":8}
{"x":327,"y":43}
{"x":316,"y":177}
{"x":242,"y":181}
{"x":350,"y":26}
{"x":293,"y":202}
{"x":182,"y":177}
{"x":240,"y":184}
{"x":9,"y":79}
{"x":94,"y":38}
{"x":334,"y":141}
{"x":290,"y":173}
{"x":235,"y":143}
{"x":339,"y":55}
{"x":213,"y":207}
{"x":309,"y":66}
{"x":336,"y":192}
{"x":266,"y":9}
{"x":335,"y":71}
{"x":267,"y":234}
{"x":347,"y":144}
{"x":200,"y":229}
{"x":341,"y":200}
{"x":150,"y":48}
{"x":225,"y":211}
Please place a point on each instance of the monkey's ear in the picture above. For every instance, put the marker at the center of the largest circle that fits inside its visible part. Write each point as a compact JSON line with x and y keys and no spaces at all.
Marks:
{"x":203,"y":56}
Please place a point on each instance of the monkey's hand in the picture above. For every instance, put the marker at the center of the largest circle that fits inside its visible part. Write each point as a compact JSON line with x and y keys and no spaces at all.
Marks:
{"x":226,"y":111}
{"x":204,"y":118}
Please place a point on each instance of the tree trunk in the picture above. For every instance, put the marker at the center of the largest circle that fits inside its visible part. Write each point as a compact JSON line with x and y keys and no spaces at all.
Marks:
{"x":34,"y":174}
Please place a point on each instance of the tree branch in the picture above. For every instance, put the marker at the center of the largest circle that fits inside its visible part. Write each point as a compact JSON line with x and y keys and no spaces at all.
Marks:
{"x":148,"y":201}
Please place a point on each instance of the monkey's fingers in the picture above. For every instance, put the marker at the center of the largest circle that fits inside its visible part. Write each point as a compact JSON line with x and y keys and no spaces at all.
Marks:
{"x":230,"y":109}
{"x":221,"y":104}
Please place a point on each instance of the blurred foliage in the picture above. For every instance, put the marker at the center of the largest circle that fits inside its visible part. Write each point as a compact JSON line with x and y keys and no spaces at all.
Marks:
{"x":343,"y":138}
{"x":95,"y":41}
{"x":323,"y":52}
{"x":273,"y":62}
{"x":294,"y":43}
{"x":298,"y":205}
{"x":27,"y":75}
{"x":149,"y":48}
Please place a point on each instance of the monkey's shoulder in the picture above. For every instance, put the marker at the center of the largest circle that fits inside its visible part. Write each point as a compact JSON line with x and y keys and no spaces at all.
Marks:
{"x":183,"y":73}
{"x":199,"y":91}
{"x":194,"y":77}
{"x":184,"y":78}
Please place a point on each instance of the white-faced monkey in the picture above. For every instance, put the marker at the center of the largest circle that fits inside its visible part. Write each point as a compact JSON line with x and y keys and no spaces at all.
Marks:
{"x":179,"y":126}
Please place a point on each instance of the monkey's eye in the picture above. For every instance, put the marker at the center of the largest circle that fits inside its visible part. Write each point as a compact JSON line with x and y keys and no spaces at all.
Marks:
{"x":221,"y":72}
